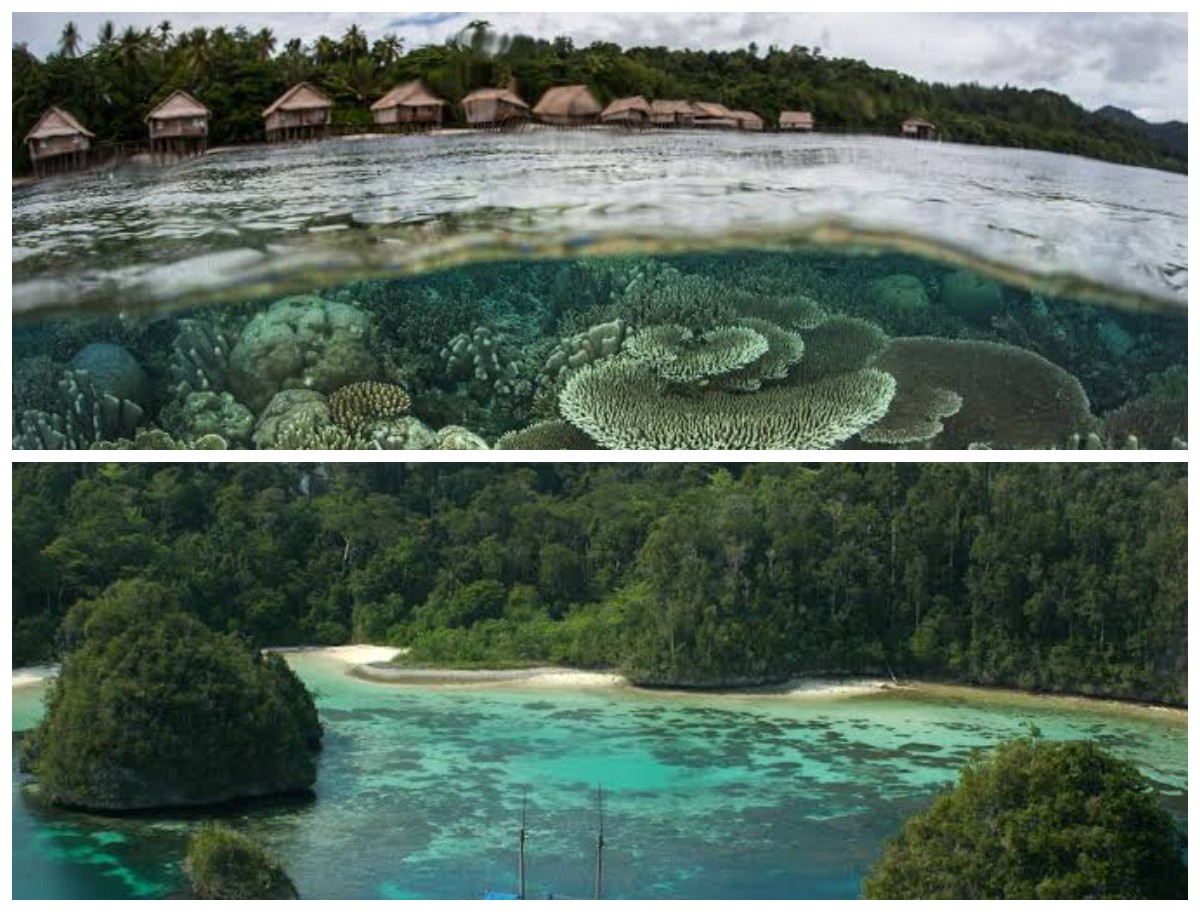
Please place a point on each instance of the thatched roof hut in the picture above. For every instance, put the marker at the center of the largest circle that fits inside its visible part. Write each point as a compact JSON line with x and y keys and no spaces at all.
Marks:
{"x":409,"y":103}
{"x":58,"y":135}
{"x":302,"y":112}
{"x":748,"y":120}
{"x":796,"y":121}
{"x":179,"y":117}
{"x":633,"y":111}
{"x":567,"y":106}
{"x":488,"y":107}
{"x":671,"y":113}
{"x":918,"y":128}
{"x":711,"y":114}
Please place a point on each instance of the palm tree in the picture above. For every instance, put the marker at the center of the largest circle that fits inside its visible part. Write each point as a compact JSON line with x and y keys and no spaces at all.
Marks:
{"x":387,"y":50}
{"x":354,"y":43}
{"x":197,"y":54}
{"x":264,"y":44}
{"x":107,"y":33}
{"x":325,"y":50}
{"x":69,"y":40}
{"x":164,"y":33}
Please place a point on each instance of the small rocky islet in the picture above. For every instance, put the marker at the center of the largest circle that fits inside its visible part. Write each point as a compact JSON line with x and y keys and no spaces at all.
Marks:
{"x":745,"y":351}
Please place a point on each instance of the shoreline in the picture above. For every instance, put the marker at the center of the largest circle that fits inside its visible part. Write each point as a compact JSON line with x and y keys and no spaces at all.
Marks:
{"x":373,"y":665}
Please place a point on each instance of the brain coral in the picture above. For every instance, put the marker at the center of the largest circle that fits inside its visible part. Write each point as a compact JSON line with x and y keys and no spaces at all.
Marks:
{"x":624,"y":405}
{"x":303,"y":342}
{"x":1011,"y":398}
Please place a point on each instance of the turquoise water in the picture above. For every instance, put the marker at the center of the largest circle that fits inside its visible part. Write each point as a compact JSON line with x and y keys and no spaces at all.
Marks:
{"x":419,"y":791}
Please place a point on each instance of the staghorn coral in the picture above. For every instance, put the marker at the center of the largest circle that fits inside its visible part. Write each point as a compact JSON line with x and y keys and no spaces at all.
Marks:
{"x":200,"y":357}
{"x":1011,"y":398}
{"x":625,"y":405}
{"x":691,"y":301}
{"x":677,"y":354}
{"x":302,"y":342}
{"x":915,"y":416}
{"x":84,"y":414}
{"x":546,"y":435}
{"x":354,"y":406}
{"x":35,"y":383}
{"x":839,"y":345}
{"x":784,"y":349}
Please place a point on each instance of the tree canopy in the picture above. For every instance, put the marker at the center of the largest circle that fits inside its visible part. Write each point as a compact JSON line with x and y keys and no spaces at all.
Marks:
{"x":1044,"y":577}
{"x":152,"y":710}
{"x":224,"y":864}
{"x":114,"y":81}
{"x":1038,"y":820}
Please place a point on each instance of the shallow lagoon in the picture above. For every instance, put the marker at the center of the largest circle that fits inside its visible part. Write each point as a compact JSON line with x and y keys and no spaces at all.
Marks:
{"x":419,"y":790}
{"x":481,"y":274}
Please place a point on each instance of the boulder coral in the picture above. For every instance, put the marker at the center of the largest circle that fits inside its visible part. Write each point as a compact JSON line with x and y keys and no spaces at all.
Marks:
{"x":972,"y":296}
{"x":302,"y":343}
{"x":899,"y":291}
{"x":114,"y":371}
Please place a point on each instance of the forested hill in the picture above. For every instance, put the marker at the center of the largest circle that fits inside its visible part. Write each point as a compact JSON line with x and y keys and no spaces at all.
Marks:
{"x":113,"y":81}
{"x":1052,"y":577}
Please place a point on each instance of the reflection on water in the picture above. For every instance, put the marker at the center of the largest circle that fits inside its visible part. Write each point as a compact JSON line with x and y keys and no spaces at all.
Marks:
{"x":419,"y":792}
{"x":742,"y":349}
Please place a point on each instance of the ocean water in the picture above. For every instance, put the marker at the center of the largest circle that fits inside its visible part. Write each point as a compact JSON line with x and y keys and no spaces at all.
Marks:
{"x":652,"y":290}
{"x":420,"y":789}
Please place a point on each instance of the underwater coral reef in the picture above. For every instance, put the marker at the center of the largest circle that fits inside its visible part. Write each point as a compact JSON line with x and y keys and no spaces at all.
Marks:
{"x":733,"y":350}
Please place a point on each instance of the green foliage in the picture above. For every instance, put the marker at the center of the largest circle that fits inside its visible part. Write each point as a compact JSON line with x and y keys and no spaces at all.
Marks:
{"x":1011,"y":575}
{"x":224,"y":864}
{"x":1038,"y":820}
{"x":152,"y":709}
{"x":112,"y":85}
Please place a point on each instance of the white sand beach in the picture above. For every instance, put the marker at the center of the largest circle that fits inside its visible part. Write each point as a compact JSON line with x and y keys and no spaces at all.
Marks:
{"x":33,"y":674}
{"x":548,"y":677}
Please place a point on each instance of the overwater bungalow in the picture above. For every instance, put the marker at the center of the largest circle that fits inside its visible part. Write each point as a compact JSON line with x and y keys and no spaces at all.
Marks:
{"x":567,"y":106}
{"x":917,"y":128}
{"x":410,"y":105}
{"x":713,"y":116}
{"x":495,"y":108}
{"x":302,"y":112}
{"x":796,"y":122}
{"x":58,"y":143}
{"x":749,"y":121}
{"x":179,"y":125}
{"x":671,"y":113}
{"x":632,"y":112}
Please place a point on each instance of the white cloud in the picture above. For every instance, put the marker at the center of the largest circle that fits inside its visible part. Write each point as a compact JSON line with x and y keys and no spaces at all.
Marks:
{"x":1133,"y":60}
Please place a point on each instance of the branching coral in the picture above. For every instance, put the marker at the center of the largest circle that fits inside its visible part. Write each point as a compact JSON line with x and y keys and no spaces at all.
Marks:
{"x":86,"y":415}
{"x":1011,"y":398}
{"x":200,"y":357}
{"x":784,"y":349}
{"x":485,"y":359}
{"x":625,"y":405}
{"x":676,"y":354}
{"x":599,"y":341}
{"x":353,"y":406}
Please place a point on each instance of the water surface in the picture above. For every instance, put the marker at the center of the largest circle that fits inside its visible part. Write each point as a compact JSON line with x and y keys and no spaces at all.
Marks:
{"x":713,"y":797}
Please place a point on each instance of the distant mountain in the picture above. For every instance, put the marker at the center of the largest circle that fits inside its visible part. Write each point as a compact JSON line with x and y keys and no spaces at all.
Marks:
{"x":1173,"y":135}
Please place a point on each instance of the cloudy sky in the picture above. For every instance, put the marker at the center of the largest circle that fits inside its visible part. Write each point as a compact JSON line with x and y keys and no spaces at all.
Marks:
{"x":1133,"y":60}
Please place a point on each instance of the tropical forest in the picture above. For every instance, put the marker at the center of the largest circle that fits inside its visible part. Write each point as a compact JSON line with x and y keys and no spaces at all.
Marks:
{"x":1046,"y":577}
{"x":113,"y":79}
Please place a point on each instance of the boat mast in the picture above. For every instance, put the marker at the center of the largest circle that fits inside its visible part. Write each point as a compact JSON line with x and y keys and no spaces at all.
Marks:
{"x":521,"y":850}
{"x":600,"y":841}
